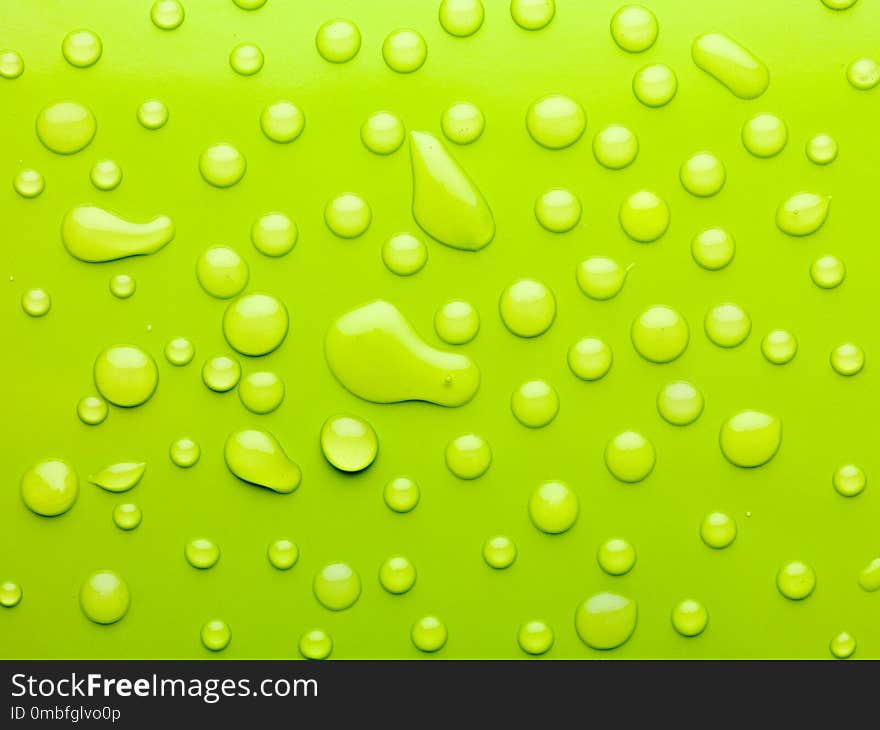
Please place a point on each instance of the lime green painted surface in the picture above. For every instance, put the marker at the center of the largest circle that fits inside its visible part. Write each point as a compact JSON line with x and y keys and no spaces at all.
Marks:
{"x":786,"y":511}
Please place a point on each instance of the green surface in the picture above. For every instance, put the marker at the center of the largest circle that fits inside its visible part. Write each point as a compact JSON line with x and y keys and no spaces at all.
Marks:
{"x":786,"y":510}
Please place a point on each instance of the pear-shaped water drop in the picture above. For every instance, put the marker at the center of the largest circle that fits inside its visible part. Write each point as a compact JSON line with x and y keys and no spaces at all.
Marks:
{"x":257,"y":457}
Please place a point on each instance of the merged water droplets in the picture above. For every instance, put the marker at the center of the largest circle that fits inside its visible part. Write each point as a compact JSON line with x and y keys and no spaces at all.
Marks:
{"x":256,"y":457}
{"x":255,"y":324}
{"x":282,"y":121}
{"x":28,"y":183}
{"x":644,"y":216}
{"x":615,"y":147}
{"x":630,"y":457}
{"x":750,"y":438}
{"x":558,"y":210}
{"x":82,"y":48}
{"x":222,"y":165}
{"x":246,"y":59}
{"x":167,"y":14}
{"x":338,"y":41}
{"x":655,"y":85}
{"x":36,"y":302}
{"x":349,"y":443}
{"x":634,"y":28}
{"x":66,"y":127}
{"x":553,"y":507}
{"x":404,"y":254}
{"x":404,"y":51}
{"x":337,"y":586}
{"x":605,"y":620}
{"x":532,"y":14}
{"x":95,"y":235}
{"x":527,"y":308}
{"x":468,"y":456}
{"x":274,"y":234}
{"x":104,"y":597}
{"x":764,"y":135}
{"x":461,"y":18}
{"x":383,"y":133}
{"x":660,"y":334}
{"x":731,"y":64}
{"x":126,"y":375}
{"x":556,"y":121}
{"x":802,"y":214}
{"x":50,"y":487}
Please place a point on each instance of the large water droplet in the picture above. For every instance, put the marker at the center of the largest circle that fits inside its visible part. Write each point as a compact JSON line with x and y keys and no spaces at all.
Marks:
{"x":382,"y":133}
{"x":125,"y":375}
{"x":556,"y":121}
{"x":222,"y":272}
{"x":527,"y":308}
{"x":256,"y":457}
{"x":167,"y":14}
{"x":615,"y":147}
{"x":535,"y":637}
{"x":119,"y":477}
{"x":590,"y":358}
{"x":616,"y":556}
{"x":401,"y":494}
{"x":222,"y":165}
{"x":534,"y":404}
{"x":337,"y":586}
{"x":215,"y":634}
{"x":104,"y":597}
{"x":750,"y":438}
{"x":468,"y":456}
{"x":731,"y":64}
{"x":397,"y":575}
{"x":349,"y":443}
{"x":66,"y":127}
{"x":81,"y":48}
{"x":461,"y":18}
{"x":404,"y":51}
{"x":553,"y":507}
{"x":690,"y":617}
{"x":261,"y":392}
{"x":338,"y":41}
{"x":727,"y":325}
{"x":655,"y":85}
{"x":255,"y":324}
{"x":630,"y":457}
{"x":605,"y":620}
{"x":644,"y":216}
{"x":95,"y":235}
{"x":660,"y":334}
{"x":796,"y":580}
{"x":802,"y":214}
{"x":274,"y":234}
{"x":764,"y":135}
{"x":49,"y":488}
{"x":282,"y":121}
{"x":499,"y":552}
{"x":532,"y":14}
{"x":315,"y":644}
{"x":634,"y":28}
{"x":429,"y":634}
{"x":221,"y":373}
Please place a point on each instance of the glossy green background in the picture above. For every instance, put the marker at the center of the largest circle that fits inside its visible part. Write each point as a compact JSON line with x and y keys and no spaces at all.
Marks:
{"x":827,"y":419}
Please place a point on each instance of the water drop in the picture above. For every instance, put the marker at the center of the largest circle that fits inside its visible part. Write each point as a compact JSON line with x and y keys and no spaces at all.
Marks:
{"x":92,"y":410}
{"x":315,"y":644}
{"x":429,"y":634}
{"x":349,"y":443}
{"x":655,"y":85}
{"x":680,"y":403}
{"x":589,"y":358}
{"x":616,"y":556}
{"x":401,"y":494}
{"x":95,"y":235}
{"x":29,"y":183}
{"x":375,"y":353}
{"x":119,"y":477}
{"x":222,"y":272}
{"x":796,"y":580}
{"x":82,"y":48}
{"x":499,"y":552}
{"x":713,"y":248}
{"x":104,"y":597}
{"x":779,"y":346}
{"x":605,"y":620}
{"x":261,"y":392}
{"x":731,"y":64}
{"x":49,"y":488}
{"x":179,"y":351}
{"x":849,"y":480}
{"x":702,"y":175}
{"x":184,"y":452}
{"x":397,"y":575}
{"x":105,"y":175}
{"x":338,"y":41}
{"x":462,"y":123}
{"x":274,"y":234}
{"x":750,"y":438}
{"x":827,"y":272}
{"x":600,"y":277}
{"x":152,"y":114}
{"x":534,"y":404}
{"x":461,"y":18}
{"x":634,"y":28}
{"x":337,"y":586}
{"x":556,"y":121}
{"x":802,"y":214}
{"x":347,"y":215}
{"x":630,"y":457}
{"x":222,"y":165}
{"x":255,"y":324}
{"x":11,"y":64}
{"x":446,"y":203}
{"x":822,"y":149}
{"x":615,"y":147}
{"x":843,"y":645}
{"x":10,"y":594}
{"x":847,"y":359}
{"x":201,"y":553}
{"x":553,"y":507}
{"x":282,"y":554}
{"x":468,"y":456}
{"x":718,"y":530}
{"x":404,"y":254}
{"x":127,"y":516}
{"x":689,"y":618}
{"x":644,"y":216}
{"x":764,"y":135}
{"x":215,"y":634}
{"x":869,"y":577}
{"x":250,"y":4}
{"x":125,"y":375}
{"x":66,"y":127}
{"x":456,"y":322}
{"x":256,"y":457}
{"x":36,"y":302}
{"x":727,"y":325}
{"x":246,"y":59}
{"x":839,"y":4}
{"x":863,"y":74}
{"x":532,"y":14}
{"x":558,"y":210}
{"x":382,"y":133}
{"x":535,"y":637}
{"x":282,"y":121}
{"x":660,"y":334}
{"x":527,"y":308}
{"x":167,"y":14}
{"x":404,"y":51}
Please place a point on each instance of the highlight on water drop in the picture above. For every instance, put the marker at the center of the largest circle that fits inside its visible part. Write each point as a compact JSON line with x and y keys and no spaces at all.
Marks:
{"x":383,"y":133}
{"x":558,"y":210}
{"x":655,"y":85}
{"x":848,"y":359}
{"x":535,"y":403}
{"x":634,"y":28}
{"x":462,"y":123}
{"x":644,"y":216}
{"x":527,"y":308}
{"x":590,"y":358}
{"x":338,"y":41}
{"x":553,"y":507}
{"x":404,"y":254}
{"x":727,"y":325}
{"x":764,"y":135}
{"x":349,"y":443}
{"x":82,"y":48}
{"x":532,"y":14}
{"x":630,"y":457}
{"x":282,"y":121}
{"x":405,"y":51}
{"x":713,"y":248}
{"x":28,"y":183}
{"x":468,"y":456}
{"x":556,"y":121}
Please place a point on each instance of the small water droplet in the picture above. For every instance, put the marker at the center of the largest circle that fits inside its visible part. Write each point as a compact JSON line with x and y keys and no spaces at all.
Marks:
{"x":92,"y":410}
{"x":105,"y":175}
{"x":534,"y":404}
{"x":216,"y":635}
{"x":689,"y":618}
{"x":558,"y":210}
{"x":397,"y":575}
{"x":66,"y":127}
{"x":274,"y":234}
{"x":556,"y":121}
{"x":261,"y":392}
{"x":201,"y":553}
{"x":600,"y":277}
{"x":532,"y":14}
{"x":349,"y":443}
{"x":49,"y":488}
{"x":125,"y":375}
{"x":863,"y":73}
{"x":634,"y":28}
{"x":152,"y":114}
{"x":750,"y":438}
{"x":822,"y":149}
{"x":404,"y":254}
{"x":10,"y":594}
{"x":315,"y":644}
{"x":499,"y":552}
{"x":535,"y":637}
{"x":222,"y":165}
{"x":660,"y":334}
{"x":839,"y":4}
{"x":429,"y":634}
{"x":337,"y":586}
{"x":731,"y":64}
{"x":615,"y":147}
{"x":127,"y":516}
{"x":401,"y":494}
{"x":347,"y":215}
{"x":11,"y":64}
{"x":256,"y":457}
{"x":463,"y":123}
{"x":655,"y":85}
{"x":282,"y":554}
{"x":104,"y":597}
{"x":456,"y":322}
{"x":713,"y":248}
{"x":527,"y":308}
{"x":122,"y":286}
{"x":250,"y":4}
{"x":461,"y":18}
{"x":36,"y":302}
{"x":679,"y":403}
{"x":119,"y":477}
{"x":404,"y":51}
{"x":718,"y":530}
{"x":849,"y":480}
{"x":827,"y":272}
{"x":630,"y":457}
{"x":779,"y":346}
{"x":167,"y":14}
{"x":468,"y":456}
{"x":29,"y":183}
{"x":644,"y":216}
{"x":802,"y":214}
{"x":82,"y":48}
{"x":616,"y":556}
{"x":553,"y":507}
{"x":727,"y":325}
{"x":222,"y":272}
{"x":848,"y":359}
{"x":382,"y":133}
{"x":869,"y":577}
{"x":255,"y":324}
{"x":702,"y":175}
{"x":282,"y":122}
{"x":338,"y":41}
{"x":844,"y":644}
{"x":605,"y":620}
{"x":796,"y":580}
{"x":246,"y":59}
{"x":184,"y":452}
{"x":764,"y":135}
{"x":179,"y":351}
{"x":95,"y":235}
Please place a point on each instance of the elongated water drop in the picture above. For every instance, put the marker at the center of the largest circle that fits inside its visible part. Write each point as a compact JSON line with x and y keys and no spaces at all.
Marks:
{"x":802,"y":214}
{"x":95,"y":235}
{"x":257,"y":457}
{"x":731,"y":64}
{"x":446,"y":203}
{"x":375,"y":353}
{"x":119,"y":477}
